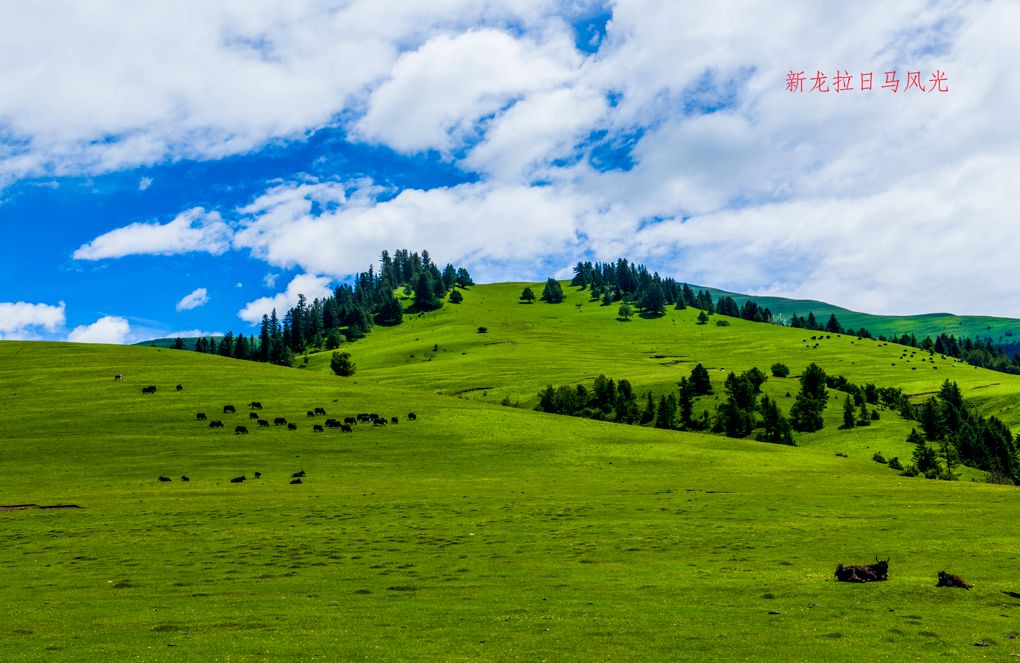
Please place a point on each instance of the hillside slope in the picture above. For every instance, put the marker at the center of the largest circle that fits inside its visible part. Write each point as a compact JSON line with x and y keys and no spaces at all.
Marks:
{"x":528,"y":346}
{"x":477,"y":532}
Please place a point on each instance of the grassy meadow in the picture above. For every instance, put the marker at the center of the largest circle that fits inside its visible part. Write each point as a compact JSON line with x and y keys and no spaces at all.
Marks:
{"x":479,"y":531}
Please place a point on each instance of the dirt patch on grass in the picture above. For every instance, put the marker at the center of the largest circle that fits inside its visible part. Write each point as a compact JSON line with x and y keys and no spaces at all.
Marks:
{"x":23,"y":507}
{"x":467,"y":391}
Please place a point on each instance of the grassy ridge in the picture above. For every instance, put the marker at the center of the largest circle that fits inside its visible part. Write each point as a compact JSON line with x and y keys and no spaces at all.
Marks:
{"x":477,"y":532}
{"x":528,"y":346}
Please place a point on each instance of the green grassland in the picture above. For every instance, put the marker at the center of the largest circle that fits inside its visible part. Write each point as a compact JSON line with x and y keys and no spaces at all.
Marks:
{"x":479,"y":531}
{"x":927,"y":324}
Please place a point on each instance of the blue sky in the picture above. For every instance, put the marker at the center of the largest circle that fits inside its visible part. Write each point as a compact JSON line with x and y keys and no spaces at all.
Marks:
{"x":183,"y":170}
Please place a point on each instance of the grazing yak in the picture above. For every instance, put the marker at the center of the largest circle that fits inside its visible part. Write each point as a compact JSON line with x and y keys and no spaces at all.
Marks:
{"x":200,"y":416}
{"x":164,"y":479}
{"x":298,"y":474}
{"x":949,"y":580}
{"x":863,"y":572}
{"x":184,"y":477}
{"x":151,"y":389}
{"x":228,"y":408}
{"x":264,"y":422}
{"x":394,"y":420}
{"x":238,"y":479}
{"x":316,"y":428}
{"x":291,"y":426}
{"x":411,"y":416}
{"x":344,"y":428}
{"x":332,"y":423}
{"x":118,"y":377}
{"x":180,"y":387}
{"x":320,"y":410}
{"x":243,"y":430}
{"x":215,"y":423}
{"x":253,"y":415}
{"x":279,"y":421}
{"x":258,"y":475}
{"x":350,"y":421}
{"x":311,"y":414}
{"x":255,"y":405}
{"x":295,"y":481}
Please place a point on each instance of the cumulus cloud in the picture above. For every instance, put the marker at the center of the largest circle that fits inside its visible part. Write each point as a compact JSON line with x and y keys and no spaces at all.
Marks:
{"x":144,"y":183}
{"x":24,"y":321}
{"x":192,"y":333}
{"x":193,"y":230}
{"x":197,"y":298}
{"x":108,"y":329}
{"x":310,"y":286}
{"x":435,"y":94}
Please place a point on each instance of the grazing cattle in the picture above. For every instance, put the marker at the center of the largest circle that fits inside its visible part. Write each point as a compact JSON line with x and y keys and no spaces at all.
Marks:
{"x":299,"y":473}
{"x":253,"y":415}
{"x":363,"y":417}
{"x":279,"y":421}
{"x":264,"y":422}
{"x":295,"y":481}
{"x":311,"y":414}
{"x":179,"y":388}
{"x":118,"y":377}
{"x":863,"y":572}
{"x":411,"y":416}
{"x":332,"y":423}
{"x":344,"y":428}
{"x":200,"y":416}
{"x":238,"y":479}
{"x":164,"y":479}
{"x":378,"y":422}
{"x":185,"y":478}
{"x":949,"y":580}
{"x":255,"y":405}
{"x":320,"y":410}
{"x":258,"y":475}
{"x":350,"y":420}
{"x":228,"y":408}
{"x":242,"y":430}
{"x":394,"y":420}
{"x":151,"y":389}
{"x":316,"y":428}
{"x":291,"y":426}
{"x":215,"y":423}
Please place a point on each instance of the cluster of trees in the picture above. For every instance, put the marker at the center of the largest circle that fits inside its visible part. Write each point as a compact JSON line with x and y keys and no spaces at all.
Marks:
{"x":350,"y":312}
{"x":955,"y":434}
{"x":983,"y":353}
{"x":610,"y":400}
{"x":611,"y":282}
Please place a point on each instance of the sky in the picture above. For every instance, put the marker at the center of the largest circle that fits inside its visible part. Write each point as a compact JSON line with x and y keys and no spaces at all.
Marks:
{"x":183,"y":168}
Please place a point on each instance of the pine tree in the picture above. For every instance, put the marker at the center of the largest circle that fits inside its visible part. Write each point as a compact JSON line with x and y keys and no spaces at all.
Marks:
{"x":685,"y":403}
{"x":527,"y":295}
{"x":701,"y":383}
{"x":456,"y":297}
{"x":649,"y":412}
{"x":553,"y":292}
{"x":178,"y":343}
{"x":849,"y":419}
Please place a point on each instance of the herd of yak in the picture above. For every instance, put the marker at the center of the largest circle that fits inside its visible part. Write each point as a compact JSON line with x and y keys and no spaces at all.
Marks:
{"x":345,"y":426}
{"x":880,"y":571}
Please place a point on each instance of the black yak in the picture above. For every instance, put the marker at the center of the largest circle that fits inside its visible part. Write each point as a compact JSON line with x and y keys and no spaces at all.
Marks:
{"x":863,"y":572}
{"x":949,"y":580}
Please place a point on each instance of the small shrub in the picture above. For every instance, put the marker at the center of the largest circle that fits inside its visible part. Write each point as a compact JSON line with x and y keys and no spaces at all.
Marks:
{"x":722,"y":323}
{"x":483,"y":330}
{"x":879,"y":458}
{"x":780,"y":370}
{"x":895,"y":464}
{"x":910,"y":471}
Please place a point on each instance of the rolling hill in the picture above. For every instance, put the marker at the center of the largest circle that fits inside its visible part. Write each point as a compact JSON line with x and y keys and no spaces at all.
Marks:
{"x":481,"y":531}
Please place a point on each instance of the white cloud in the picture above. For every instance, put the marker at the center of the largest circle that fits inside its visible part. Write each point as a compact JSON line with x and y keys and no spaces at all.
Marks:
{"x":108,"y":329}
{"x":191,"y":333}
{"x":269,"y":280}
{"x":23,"y":321}
{"x":310,"y":286}
{"x":192,"y":230}
{"x":191,"y":301}
{"x":436,"y":93}
{"x":144,"y":183}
